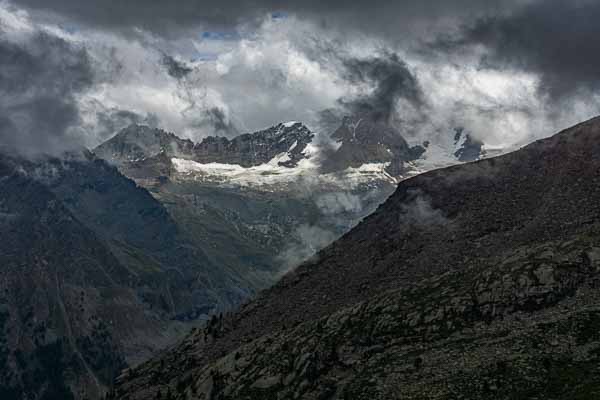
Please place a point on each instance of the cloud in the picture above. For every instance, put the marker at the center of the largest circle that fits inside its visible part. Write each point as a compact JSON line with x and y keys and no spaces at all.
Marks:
{"x":175,"y":68}
{"x":417,"y":211}
{"x":216,"y":121}
{"x":101,"y":122}
{"x":379,"y":17}
{"x":306,"y":241}
{"x":339,"y":202}
{"x":250,"y":83}
{"x":556,"y":40}
{"x":391,"y":81}
{"x":198,"y":68}
{"x":41,"y":77}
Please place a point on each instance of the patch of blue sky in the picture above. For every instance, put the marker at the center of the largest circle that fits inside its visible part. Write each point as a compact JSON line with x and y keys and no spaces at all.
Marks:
{"x":278,"y":15}
{"x":225,"y":36}
{"x":71,"y":29}
{"x":205,"y":57}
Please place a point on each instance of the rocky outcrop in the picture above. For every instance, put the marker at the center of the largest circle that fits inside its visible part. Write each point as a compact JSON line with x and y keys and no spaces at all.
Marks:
{"x":138,"y":143}
{"x":474,"y":281}
{"x":256,"y":148}
{"x":365,"y":140}
{"x":525,"y":325}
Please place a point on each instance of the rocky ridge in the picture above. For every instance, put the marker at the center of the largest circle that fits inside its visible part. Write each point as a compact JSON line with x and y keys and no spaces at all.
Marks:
{"x":139,"y":142}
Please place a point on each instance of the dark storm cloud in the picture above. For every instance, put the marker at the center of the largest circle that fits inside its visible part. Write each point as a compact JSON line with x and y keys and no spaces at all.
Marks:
{"x":554,"y":39}
{"x":377,"y":16}
{"x":385,"y":76}
{"x":39,"y":79}
{"x":111,"y":120}
{"x":391,"y":81}
{"x":176,"y":69}
{"x":215,"y":121}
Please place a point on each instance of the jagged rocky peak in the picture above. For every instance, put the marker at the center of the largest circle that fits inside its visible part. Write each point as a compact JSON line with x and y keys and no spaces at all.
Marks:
{"x":251,"y":149}
{"x":138,"y":142}
{"x":364,"y":139}
{"x":467,"y":147}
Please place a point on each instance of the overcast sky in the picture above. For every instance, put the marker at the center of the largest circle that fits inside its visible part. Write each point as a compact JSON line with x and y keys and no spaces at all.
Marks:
{"x":73,"y":72}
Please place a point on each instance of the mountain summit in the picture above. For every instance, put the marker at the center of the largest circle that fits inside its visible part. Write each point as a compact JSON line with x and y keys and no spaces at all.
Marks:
{"x":368,"y":140}
{"x":139,"y":142}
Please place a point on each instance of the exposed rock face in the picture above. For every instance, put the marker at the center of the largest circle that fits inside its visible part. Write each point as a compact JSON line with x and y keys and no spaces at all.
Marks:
{"x":365,"y":140}
{"x":138,"y":142}
{"x":474,"y":281}
{"x":256,"y":148}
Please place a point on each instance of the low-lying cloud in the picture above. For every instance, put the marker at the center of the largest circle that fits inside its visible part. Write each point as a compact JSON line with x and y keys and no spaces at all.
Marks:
{"x":307,"y":240}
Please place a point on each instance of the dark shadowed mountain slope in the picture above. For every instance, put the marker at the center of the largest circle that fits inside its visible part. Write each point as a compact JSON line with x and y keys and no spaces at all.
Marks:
{"x":95,"y":275}
{"x":140,"y":232}
{"x":61,"y":289}
{"x":368,"y":140}
{"x":474,"y":281}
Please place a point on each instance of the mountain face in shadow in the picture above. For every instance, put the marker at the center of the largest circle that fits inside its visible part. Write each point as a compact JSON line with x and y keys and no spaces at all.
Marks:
{"x":474,"y":281}
{"x":95,"y":275}
{"x":364,"y":139}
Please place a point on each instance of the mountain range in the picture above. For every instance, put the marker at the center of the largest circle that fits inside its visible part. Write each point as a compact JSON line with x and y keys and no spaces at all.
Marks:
{"x":112,"y":255}
{"x":473,"y":281}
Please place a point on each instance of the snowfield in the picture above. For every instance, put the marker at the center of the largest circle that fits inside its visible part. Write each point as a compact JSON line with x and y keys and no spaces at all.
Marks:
{"x":271,"y":175}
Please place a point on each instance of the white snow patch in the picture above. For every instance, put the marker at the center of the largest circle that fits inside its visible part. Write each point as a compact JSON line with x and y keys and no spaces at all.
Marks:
{"x":262,"y":175}
{"x":310,"y":150}
{"x":271,"y":176}
{"x":189,"y":166}
{"x":461,"y":142}
{"x":289,"y":124}
{"x":281,"y":157}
